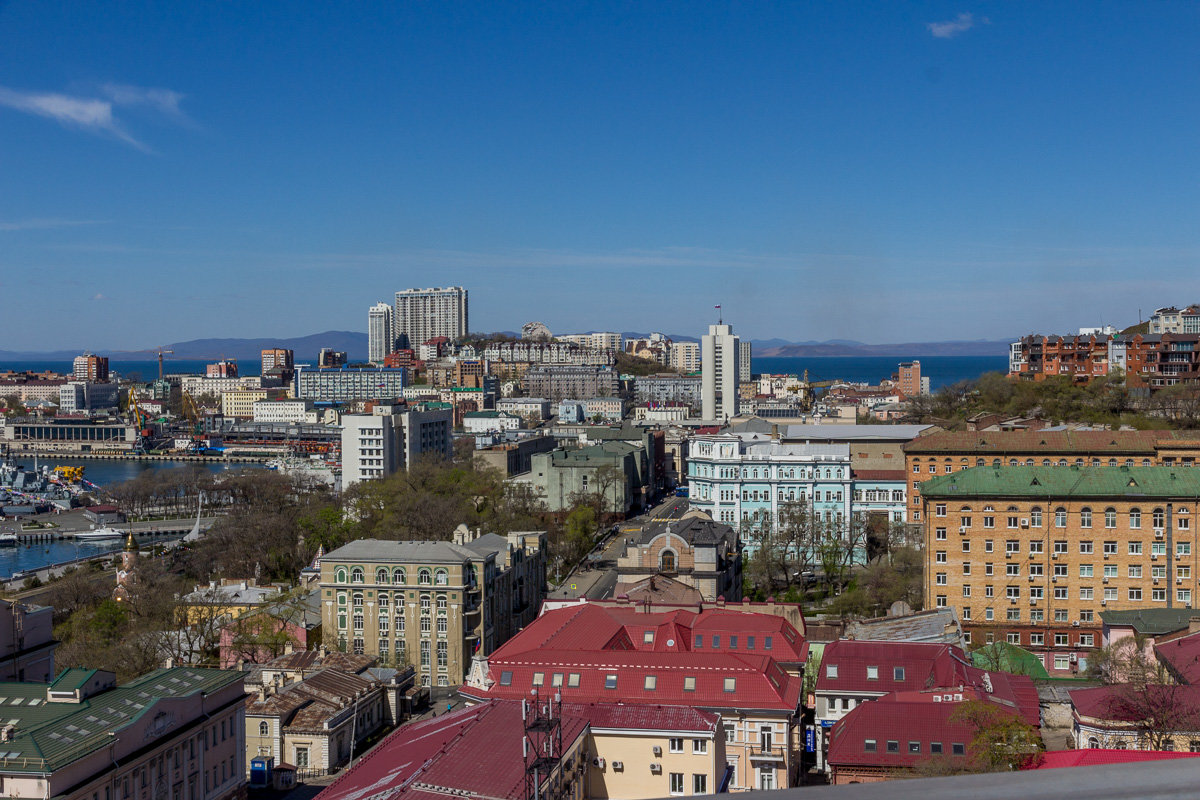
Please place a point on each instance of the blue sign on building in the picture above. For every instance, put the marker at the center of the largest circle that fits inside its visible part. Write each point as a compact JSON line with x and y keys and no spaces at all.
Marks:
{"x":810,"y":740}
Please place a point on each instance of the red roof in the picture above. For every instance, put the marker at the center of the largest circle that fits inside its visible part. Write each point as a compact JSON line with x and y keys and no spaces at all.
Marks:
{"x":1121,"y":703}
{"x":1095,"y":758}
{"x":1182,"y":656}
{"x":926,"y":666}
{"x":916,"y":729}
{"x":475,"y":752}
{"x":690,"y":656}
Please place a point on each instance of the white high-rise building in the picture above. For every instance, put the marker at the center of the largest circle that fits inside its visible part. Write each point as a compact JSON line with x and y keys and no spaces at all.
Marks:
{"x":422,"y":314}
{"x":720,"y":368}
{"x":377,"y":445}
{"x":381,"y":337}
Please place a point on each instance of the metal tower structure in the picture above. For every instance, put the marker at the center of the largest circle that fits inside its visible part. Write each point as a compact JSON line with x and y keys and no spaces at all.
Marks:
{"x":542,"y":746}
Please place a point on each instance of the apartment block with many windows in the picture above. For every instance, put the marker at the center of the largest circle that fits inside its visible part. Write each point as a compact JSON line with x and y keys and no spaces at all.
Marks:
{"x":1032,"y":555}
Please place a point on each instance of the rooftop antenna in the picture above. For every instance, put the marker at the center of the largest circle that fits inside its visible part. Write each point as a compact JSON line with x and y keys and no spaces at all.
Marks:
{"x":720,"y":316}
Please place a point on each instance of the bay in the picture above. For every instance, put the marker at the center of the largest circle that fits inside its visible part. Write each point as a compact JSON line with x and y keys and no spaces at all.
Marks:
{"x":941,"y":370}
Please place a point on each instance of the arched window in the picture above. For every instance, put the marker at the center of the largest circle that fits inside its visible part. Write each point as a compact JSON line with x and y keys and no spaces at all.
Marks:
{"x":441,"y":577}
{"x":1093,"y":743}
{"x":1159,"y":518}
{"x":398,"y":576}
{"x":384,"y":601}
{"x":1035,"y":516}
{"x":264,"y":729}
{"x":1135,"y":518}
{"x":381,"y":575}
{"x":1060,"y":517}
{"x":1085,"y":517}
{"x":356,"y":575}
{"x":358,"y":599}
{"x":1121,"y":745}
{"x":340,"y":575}
{"x":666,"y":561}
{"x":341,"y":598}
{"x":1110,"y":517}
{"x":424,"y":577}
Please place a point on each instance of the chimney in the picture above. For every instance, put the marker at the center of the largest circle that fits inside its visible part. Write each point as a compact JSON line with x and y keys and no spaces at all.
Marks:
{"x":775,"y":431}
{"x":720,"y":601}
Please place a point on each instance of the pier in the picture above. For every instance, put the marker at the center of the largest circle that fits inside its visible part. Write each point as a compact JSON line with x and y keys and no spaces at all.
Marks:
{"x":123,"y":456}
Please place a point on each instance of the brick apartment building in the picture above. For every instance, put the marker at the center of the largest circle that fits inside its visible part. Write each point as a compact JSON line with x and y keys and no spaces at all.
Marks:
{"x":1031,"y":555}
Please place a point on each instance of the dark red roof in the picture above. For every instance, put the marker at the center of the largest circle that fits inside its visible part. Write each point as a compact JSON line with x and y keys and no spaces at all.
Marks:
{"x":1094,"y":758}
{"x":475,"y":752}
{"x":1124,"y":704}
{"x":915,"y":719}
{"x":926,"y":666}
{"x":1182,"y":656}
{"x":708,"y":647}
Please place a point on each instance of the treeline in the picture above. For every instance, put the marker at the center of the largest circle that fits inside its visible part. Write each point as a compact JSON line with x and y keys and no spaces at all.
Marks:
{"x":1102,"y":401}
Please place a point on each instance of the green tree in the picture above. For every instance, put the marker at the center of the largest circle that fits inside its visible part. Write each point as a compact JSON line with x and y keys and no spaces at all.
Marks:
{"x":1002,"y":741}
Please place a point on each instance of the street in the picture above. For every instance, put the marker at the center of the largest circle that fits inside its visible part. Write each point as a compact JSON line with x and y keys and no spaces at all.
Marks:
{"x":596,"y":576}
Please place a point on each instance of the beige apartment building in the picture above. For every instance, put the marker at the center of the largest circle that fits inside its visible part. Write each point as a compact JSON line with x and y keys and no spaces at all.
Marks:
{"x":947,"y":452}
{"x":433,"y":605}
{"x":1032,"y":555}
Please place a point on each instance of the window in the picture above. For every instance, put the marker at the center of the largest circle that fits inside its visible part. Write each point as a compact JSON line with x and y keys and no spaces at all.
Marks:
{"x":676,"y":782}
{"x":1036,"y":547}
{"x":651,"y":683}
{"x":539,"y":678}
{"x":1110,"y":593}
{"x":1060,"y":546}
{"x":1087,"y":640}
{"x":675,"y":746}
{"x":1012,"y":546}
{"x":1060,"y":517}
{"x":869,"y":746}
{"x":1110,"y":570}
{"x":1135,"y":594}
{"x":939,"y":509}
{"x":1158,"y":595}
{"x":914,"y":747}
{"x":610,"y":681}
{"x":939,"y":557}
{"x":689,"y":683}
{"x":264,"y":729}
{"x":506,"y":678}
{"x":1085,"y":548}
{"x":648,"y":637}
{"x":1085,"y":593}
{"x":573,"y":680}
{"x":699,"y":783}
{"x":731,"y":684}
{"x":1184,"y":596}
{"x":872,"y":673}
{"x":939,"y":534}
{"x":424,"y":577}
{"x":1183,"y":548}
{"x":1135,"y":548}
{"x":381,"y":575}
{"x":700,"y":746}
{"x":356,"y":575}
{"x":958,"y":749}
{"x":935,"y":748}
{"x":1037,"y":639}
{"x":1158,"y":517}
{"x":1110,"y":548}
{"x":1062,"y":662}
{"x":1135,"y":570}
{"x":1012,"y":570}
{"x":699,"y":641}
{"x":1135,"y":518}
{"x":1110,"y":518}
{"x":556,"y":680}
{"x":831,"y":671}
{"x":1085,"y":517}
{"x":893,"y":746}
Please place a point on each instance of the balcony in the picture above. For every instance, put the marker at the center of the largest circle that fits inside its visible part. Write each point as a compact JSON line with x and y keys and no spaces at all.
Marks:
{"x":761,"y":752}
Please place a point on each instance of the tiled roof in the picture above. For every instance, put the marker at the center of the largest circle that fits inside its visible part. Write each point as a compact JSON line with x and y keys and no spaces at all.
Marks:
{"x":694,"y":527}
{"x":1074,"y":442}
{"x":1182,"y":657}
{"x":1066,"y":482}
{"x":1092,"y":758}
{"x":936,"y":625}
{"x":680,"y":719}
{"x":594,"y":642}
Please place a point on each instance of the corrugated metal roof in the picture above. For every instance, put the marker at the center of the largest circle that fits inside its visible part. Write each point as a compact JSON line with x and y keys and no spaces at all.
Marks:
{"x":1065,"y":482}
{"x":1073,"y":442}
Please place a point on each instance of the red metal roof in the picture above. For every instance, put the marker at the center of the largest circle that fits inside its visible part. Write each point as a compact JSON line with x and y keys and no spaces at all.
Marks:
{"x":905,"y":723}
{"x":475,"y":752}
{"x":1182,"y":656}
{"x":926,"y":666}
{"x":1093,"y":758}
{"x":585,"y":644}
{"x":1123,"y":704}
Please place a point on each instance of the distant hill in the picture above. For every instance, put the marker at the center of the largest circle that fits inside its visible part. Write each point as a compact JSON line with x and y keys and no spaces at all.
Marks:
{"x":355,"y":346}
{"x":305,"y":347}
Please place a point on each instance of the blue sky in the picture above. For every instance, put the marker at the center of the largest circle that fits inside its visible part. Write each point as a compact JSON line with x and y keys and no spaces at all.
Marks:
{"x":873,"y":171}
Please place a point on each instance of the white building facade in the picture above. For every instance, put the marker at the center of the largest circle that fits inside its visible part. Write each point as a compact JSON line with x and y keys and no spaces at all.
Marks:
{"x":381,"y":336}
{"x":720,"y":355}
{"x":375,"y":446}
{"x":422,"y":314}
{"x":745,"y":481}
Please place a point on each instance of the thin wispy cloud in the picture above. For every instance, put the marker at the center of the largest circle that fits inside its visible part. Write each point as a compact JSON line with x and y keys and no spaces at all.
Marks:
{"x":951,"y":28}
{"x":45,"y":224}
{"x":97,"y":115}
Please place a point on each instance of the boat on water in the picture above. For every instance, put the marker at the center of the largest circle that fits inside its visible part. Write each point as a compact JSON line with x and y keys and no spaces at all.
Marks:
{"x":8,"y":540}
{"x":100,"y":534}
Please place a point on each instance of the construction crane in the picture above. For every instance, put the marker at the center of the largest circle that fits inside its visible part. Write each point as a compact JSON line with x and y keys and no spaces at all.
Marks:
{"x":158,"y":350}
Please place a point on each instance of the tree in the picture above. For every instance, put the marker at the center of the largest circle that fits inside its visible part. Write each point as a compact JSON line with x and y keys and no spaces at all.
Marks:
{"x":1126,"y":661}
{"x":1156,"y":712}
{"x":1002,"y":741}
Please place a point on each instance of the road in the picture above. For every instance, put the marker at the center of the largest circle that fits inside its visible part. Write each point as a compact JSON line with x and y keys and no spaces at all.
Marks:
{"x":596,"y":577}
